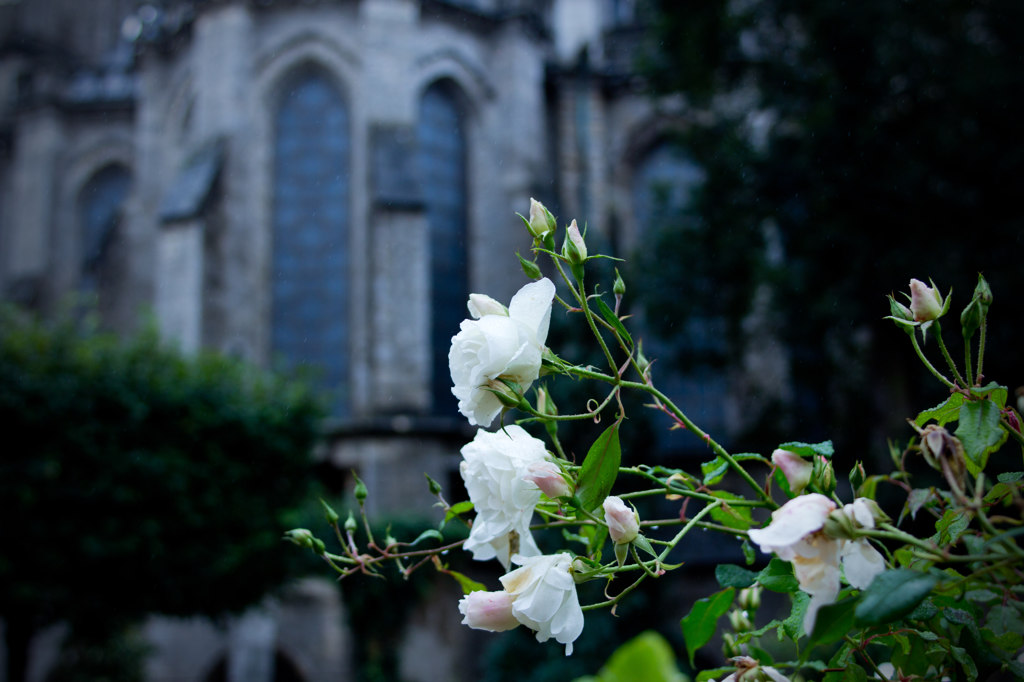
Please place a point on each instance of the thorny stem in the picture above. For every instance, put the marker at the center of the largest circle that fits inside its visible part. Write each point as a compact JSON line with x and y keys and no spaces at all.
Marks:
{"x":581,"y":298}
{"x":712,"y":443}
{"x":931,"y":368}
{"x":945,"y":354}
{"x":867,"y":659}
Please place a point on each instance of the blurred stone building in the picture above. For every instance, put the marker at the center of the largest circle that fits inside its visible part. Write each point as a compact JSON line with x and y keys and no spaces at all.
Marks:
{"x":317,"y":182}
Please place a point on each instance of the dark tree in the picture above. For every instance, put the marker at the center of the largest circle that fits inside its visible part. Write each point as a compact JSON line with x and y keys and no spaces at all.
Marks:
{"x":867,"y":143}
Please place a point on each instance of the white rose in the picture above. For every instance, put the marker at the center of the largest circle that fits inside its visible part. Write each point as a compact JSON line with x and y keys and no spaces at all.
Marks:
{"x":495,"y":468}
{"x":499,"y":345}
{"x":544,"y":598}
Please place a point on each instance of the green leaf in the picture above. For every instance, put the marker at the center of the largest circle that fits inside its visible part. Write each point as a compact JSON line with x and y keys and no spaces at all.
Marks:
{"x":648,"y":657}
{"x":915,"y":500}
{"x":943,"y":413}
{"x":714,"y":471}
{"x":611,"y":318}
{"x":824,"y":448}
{"x":739,"y":518}
{"x":892,"y":595}
{"x":794,"y":623}
{"x":951,"y":526}
{"x":980,"y":432}
{"x":731,"y":575}
{"x":600,"y":468}
{"x":778,"y":576}
{"x":749,"y":555}
{"x":993,"y":391}
{"x":834,"y":621}
{"x":467,"y":584}
{"x":702,"y":621}
{"x":1010,"y":476}
{"x":428,"y":533}
{"x":457,"y":510}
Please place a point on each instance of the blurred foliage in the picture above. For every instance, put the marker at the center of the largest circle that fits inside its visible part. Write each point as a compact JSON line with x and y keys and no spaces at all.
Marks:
{"x":849,"y":147}
{"x":139,"y":480}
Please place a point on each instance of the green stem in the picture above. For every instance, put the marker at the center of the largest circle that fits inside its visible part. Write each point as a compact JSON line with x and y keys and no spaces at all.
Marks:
{"x":581,"y":298}
{"x":931,"y":368}
{"x":615,"y":600}
{"x":712,"y":443}
{"x":945,"y":354}
{"x":967,"y":362}
{"x":686,"y":529}
{"x":671,"y":490}
{"x":981,"y":344}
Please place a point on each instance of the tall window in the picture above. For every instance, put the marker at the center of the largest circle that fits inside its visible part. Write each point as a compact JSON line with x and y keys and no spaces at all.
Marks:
{"x":99,"y":212}
{"x":309,"y":319}
{"x":441,"y":142}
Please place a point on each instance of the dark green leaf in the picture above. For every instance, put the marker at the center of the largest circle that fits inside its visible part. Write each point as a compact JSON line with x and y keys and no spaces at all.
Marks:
{"x":1010,"y":476}
{"x":778,"y":576}
{"x":793,"y":626}
{"x":993,"y":391}
{"x":980,"y":432}
{"x":824,"y":448}
{"x":945,"y":412}
{"x":702,"y":621}
{"x":728,"y":515}
{"x":834,"y":621}
{"x":611,"y":318}
{"x":600,"y":468}
{"x":430,"y":533}
{"x":731,"y":575}
{"x":714,"y":471}
{"x":892,"y":595}
{"x":951,"y":526}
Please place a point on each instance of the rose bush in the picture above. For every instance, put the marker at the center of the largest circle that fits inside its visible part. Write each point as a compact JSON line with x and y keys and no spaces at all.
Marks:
{"x":867,"y":597}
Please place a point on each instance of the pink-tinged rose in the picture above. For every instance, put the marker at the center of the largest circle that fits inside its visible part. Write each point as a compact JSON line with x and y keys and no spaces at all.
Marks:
{"x":623,"y":523}
{"x":549,"y":478}
{"x":925,"y":302}
{"x":544,"y":597}
{"x":791,"y":522}
{"x":576,"y":249}
{"x":491,"y":611}
{"x":795,"y":468}
{"x":499,"y":345}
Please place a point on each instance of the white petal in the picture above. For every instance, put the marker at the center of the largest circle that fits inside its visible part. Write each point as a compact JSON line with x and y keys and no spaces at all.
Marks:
{"x":793,"y":521}
{"x":532,"y":306}
{"x":861,"y":563}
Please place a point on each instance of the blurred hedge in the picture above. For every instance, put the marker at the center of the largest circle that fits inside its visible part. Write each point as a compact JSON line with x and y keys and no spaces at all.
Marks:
{"x":135,"y":479}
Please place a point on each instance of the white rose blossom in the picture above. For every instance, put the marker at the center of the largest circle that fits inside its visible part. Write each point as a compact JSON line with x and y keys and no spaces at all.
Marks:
{"x":495,"y":468}
{"x":499,"y":344}
{"x":796,"y":534}
{"x":544,"y":597}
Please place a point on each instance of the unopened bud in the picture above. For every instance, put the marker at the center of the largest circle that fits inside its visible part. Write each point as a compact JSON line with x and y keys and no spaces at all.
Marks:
{"x":329,"y":513}
{"x":360,"y":490}
{"x":530,"y":268}
{"x":541,"y":222}
{"x":549,"y":478}
{"x":508,"y":392}
{"x":574,"y":249}
{"x":434,"y":486}
{"x":350,"y":523}
{"x":740,"y":621}
{"x":925,"y":302}
{"x":750,"y":598}
{"x":619,"y":287}
{"x":825,"y":476}
{"x":545,"y":403}
{"x":301,"y":537}
{"x":623,"y":522}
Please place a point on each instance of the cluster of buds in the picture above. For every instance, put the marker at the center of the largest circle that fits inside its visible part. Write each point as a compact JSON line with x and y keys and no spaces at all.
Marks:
{"x":741,"y":620}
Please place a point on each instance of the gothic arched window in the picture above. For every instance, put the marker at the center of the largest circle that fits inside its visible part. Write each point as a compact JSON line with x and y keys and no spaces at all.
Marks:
{"x":99,"y":206}
{"x":441,"y":141}
{"x":309,"y":280}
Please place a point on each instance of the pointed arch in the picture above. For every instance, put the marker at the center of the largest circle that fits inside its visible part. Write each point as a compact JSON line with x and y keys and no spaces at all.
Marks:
{"x":442,"y":167}
{"x":310,"y":219}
